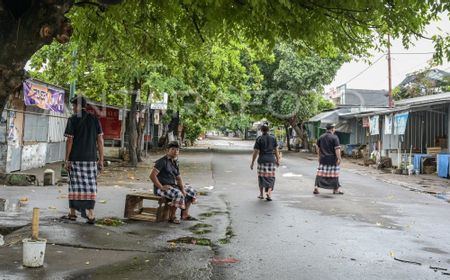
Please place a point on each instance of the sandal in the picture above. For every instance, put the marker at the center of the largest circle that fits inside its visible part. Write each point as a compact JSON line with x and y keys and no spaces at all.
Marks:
{"x":69,"y":217}
{"x":268,"y":198}
{"x":316,"y":191}
{"x":261,"y":197}
{"x":338,"y":192}
{"x":174,"y":221}
{"x":90,"y":221}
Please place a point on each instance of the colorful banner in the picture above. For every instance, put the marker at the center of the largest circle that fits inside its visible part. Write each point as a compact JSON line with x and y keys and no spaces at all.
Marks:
{"x":374,"y":122}
{"x":388,"y":124}
{"x":400,"y":121}
{"x":40,"y":95}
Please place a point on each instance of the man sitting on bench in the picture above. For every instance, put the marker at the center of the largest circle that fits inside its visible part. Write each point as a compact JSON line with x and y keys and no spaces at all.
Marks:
{"x":168,"y":183}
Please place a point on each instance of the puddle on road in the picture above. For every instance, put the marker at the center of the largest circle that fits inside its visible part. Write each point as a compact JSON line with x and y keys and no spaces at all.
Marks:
{"x":292,"y":175}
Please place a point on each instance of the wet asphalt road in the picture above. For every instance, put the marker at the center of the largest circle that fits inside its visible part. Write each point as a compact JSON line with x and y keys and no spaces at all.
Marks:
{"x":364,"y":234}
{"x":296,"y":236}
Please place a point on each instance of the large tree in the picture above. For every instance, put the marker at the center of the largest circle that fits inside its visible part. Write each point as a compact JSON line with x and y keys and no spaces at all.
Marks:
{"x":292,"y":87}
{"x":325,"y":26}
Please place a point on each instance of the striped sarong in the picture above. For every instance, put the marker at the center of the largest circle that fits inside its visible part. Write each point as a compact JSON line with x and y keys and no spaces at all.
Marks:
{"x":266,"y":175}
{"x":327,"y":176}
{"x":83,"y":180}
{"x":177,"y":198}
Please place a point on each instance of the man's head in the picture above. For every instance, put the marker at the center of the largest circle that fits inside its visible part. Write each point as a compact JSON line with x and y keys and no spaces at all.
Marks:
{"x":265,"y":127}
{"x":173,"y":148}
{"x":331,"y":127}
{"x":78,"y":103}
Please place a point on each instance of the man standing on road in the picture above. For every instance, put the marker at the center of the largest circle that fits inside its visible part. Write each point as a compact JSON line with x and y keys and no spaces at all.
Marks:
{"x":168,"y":183}
{"x":329,"y":151}
{"x":266,"y":148}
{"x":84,"y":137}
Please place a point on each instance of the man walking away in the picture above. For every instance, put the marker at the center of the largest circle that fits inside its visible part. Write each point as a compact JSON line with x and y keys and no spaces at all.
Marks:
{"x":329,"y":161}
{"x":84,"y":137}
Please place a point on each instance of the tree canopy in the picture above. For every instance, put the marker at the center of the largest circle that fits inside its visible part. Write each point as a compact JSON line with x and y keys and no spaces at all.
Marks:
{"x":159,"y":28}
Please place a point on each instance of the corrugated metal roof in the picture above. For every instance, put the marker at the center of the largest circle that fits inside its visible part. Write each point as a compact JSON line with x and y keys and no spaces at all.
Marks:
{"x":425,"y":99}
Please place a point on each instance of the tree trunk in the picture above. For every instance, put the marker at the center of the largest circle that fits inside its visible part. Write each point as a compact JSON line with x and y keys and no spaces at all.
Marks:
{"x":300,"y":132}
{"x":25,"y":26}
{"x":140,"y":131}
{"x":288,"y":138}
{"x":132,"y":126}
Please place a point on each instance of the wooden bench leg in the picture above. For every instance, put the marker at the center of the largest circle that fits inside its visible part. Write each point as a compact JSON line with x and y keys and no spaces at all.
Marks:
{"x":162,"y":213}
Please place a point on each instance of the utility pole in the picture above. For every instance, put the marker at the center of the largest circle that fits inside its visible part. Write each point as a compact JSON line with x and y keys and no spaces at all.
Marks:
{"x":391,"y":104}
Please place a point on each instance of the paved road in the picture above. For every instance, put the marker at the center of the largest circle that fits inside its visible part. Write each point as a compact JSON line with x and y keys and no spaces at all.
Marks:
{"x":296,"y":236}
{"x":355,"y":236}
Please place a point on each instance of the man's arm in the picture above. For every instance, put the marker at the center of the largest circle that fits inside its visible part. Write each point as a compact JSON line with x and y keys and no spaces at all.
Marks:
{"x":277,"y":155}
{"x":69,"y":144}
{"x":100,"y":143}
{"x":255,"y":154}
{"x":180,"y":183}
{"x":155,"y":180}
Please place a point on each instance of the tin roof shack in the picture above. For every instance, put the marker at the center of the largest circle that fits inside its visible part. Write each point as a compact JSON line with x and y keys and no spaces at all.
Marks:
{"x":32,"y":127}
{"x":351,"y":102}
{"x":417,"y":126}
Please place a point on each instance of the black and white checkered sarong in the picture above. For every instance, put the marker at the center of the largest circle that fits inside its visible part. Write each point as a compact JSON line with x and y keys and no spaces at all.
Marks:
{"x":83,"y":180}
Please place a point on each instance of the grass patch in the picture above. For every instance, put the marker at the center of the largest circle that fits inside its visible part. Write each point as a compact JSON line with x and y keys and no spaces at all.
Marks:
{"x":228,"y":235}
{"x":192,"y":240}
{"x":212,"y":213}
{"x":200,"y":228}
{"x":111,"y":221}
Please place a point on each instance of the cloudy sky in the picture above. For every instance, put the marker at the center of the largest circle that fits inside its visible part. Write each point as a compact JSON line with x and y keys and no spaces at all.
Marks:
{"x":376,"y":77}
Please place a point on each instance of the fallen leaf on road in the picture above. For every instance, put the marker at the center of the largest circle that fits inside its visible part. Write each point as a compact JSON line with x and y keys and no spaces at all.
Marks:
{"x":391,"y":253}
{"x":147,"y":260}
{"x":217,"y":260}
{"x":87,"y":263}
{"x":102,"y":201}
{"x":52,"y":207}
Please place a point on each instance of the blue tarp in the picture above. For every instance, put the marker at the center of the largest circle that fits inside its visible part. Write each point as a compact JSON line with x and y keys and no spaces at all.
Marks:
{"x":417,"y":158}
{"x":443,"y":161}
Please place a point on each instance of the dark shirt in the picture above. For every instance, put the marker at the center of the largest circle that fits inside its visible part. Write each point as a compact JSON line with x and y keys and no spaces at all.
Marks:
{"x":266,"y":144}
{"x":328,"y":143}
{"x":168,"y":171}
{"x":84,"y":130}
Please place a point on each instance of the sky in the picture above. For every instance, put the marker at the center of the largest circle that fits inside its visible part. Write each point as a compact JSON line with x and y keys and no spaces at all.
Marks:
{"x":376,"y":77}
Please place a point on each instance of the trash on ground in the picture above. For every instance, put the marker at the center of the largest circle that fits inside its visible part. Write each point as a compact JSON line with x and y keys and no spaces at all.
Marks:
{"x":290,"y":174}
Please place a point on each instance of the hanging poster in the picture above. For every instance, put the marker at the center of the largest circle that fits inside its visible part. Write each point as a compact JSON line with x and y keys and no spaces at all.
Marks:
{"x":388,"y":124}
{"x":42,"y":96}
{"x":400,"y":121}
{"x":374,"y":125}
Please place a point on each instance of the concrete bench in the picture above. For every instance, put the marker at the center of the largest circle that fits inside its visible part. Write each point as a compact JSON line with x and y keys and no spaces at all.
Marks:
{"x":135,"y":210}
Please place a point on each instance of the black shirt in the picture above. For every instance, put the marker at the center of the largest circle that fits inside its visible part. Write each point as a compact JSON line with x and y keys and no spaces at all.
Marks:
{"x":328,"y":143}
{"x":84,"y":129}
{"x":168,"y":171}
{"x":266,"y":144}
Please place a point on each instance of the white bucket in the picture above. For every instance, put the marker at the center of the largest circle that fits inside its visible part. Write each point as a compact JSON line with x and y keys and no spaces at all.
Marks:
{"x":33,"y":252}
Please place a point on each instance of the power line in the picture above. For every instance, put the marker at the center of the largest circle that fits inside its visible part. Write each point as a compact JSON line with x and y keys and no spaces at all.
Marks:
{"x":413,"y":53}
{"x":362,"y":72}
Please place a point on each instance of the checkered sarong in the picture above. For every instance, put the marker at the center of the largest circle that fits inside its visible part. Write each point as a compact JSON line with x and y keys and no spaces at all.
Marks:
{"x":266,"y":175}
{"x":177,"y":198}
{"x":83,"y":180}
{"x":329,"y":171}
